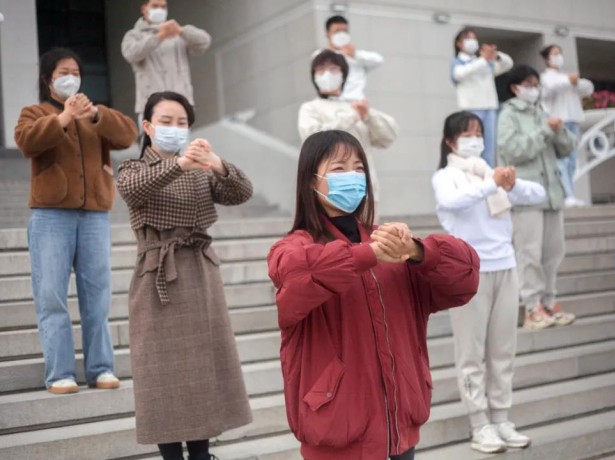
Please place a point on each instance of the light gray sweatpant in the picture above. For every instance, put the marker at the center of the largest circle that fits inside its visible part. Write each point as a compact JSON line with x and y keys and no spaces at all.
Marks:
{"x":538,"y":238}
{"x":485,"y":336}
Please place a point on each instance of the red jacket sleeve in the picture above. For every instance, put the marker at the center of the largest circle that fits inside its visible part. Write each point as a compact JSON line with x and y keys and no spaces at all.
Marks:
{"x":449,"y":273}
{"x":307,"y":274}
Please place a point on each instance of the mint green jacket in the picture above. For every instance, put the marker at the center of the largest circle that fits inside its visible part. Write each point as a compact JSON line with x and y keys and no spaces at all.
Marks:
{"x":526,"y":142}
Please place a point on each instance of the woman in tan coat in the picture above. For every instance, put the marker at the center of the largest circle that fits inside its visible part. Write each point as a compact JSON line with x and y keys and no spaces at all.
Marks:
{"x":68,"y":140}
{"x":188,"y":383}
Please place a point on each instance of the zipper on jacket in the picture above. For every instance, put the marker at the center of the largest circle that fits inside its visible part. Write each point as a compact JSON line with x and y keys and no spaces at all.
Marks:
{"x":384,"y":388}
{"x":386,"y":333}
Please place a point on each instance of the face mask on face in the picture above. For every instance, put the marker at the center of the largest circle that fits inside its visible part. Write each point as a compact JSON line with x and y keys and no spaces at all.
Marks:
{"x":340,"y":39}
{"x":157,"y":15}
{"x":526,"y":94}
{"x":66,"y":86}
{"x":557,"y":61}
{"x":346,"y":190}
{"x":328,"y":81}
{"x":470,"y":146}
{"x":170,"y":139}
{"x":470,"y":45}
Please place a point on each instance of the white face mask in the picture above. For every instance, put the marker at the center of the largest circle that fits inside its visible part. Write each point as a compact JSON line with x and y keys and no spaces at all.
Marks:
{"x":557,"y":61}
{"x":170,"y":139}
{"x":470,"y":146}
{"x":526,"y":94}
{"x":340,"y":39}
{"x":157,"y":15}
{"x":328,"y":81}
{"x":470,"y":45}
{"x":66,"y":86}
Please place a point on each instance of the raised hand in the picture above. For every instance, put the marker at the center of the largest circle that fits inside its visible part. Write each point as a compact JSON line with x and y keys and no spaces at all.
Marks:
{"x":348,"y":50}
{"x":556,"y":124}
{"x":362,"y":107}
{"x":169,"y":29}
{"x":84,"y":107}
{"x":200,"y":151}
{"x":396,"y":243}
{"x":574,"y":78}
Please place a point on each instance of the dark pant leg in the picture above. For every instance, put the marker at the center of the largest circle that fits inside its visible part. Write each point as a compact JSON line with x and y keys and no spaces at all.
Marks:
{"x":171,"y":451}
{"x":409,"y":455}
{"x":198,"y":450}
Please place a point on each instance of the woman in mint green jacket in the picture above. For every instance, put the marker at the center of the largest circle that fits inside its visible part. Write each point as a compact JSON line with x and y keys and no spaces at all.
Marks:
{"x":532,"y":142}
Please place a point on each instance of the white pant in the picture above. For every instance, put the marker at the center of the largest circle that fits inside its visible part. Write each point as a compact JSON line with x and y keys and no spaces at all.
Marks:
{"x":485,"y":335}
{"x":538,"y":237}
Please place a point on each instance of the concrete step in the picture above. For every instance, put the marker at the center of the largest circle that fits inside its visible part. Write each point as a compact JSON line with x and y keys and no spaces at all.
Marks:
{"x":580,"y":438}
{"x":20,"y":411}
{"x":447,"y":423}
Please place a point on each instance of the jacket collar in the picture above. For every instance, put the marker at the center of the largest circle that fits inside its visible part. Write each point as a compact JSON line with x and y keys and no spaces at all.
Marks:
{"x":365,"y":236}
{"x":465,"y":56}
{"x":143,"y":25}
{"x":151,"y":157}
{"x":522,"y":106}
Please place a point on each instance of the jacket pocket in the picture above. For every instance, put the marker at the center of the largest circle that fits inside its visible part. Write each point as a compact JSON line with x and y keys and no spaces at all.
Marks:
{"x":329,"y":415}
{"x":211,"y":255}
{"x":105,"y":188}
{"x":50,"y":186}
{"x":416,"y":393}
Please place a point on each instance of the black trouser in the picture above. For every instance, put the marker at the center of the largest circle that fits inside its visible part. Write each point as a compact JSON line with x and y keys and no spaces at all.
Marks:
{"x":409,"y":455}
{"x":198,"y":450}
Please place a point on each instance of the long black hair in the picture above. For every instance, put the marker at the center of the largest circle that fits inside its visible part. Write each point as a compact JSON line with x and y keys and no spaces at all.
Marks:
{"x":317,"y":148}
{"x":517,"y":76}
{"x":454,"y":125}
{"x":329,"y":57}
{"x":47,"y":64}
{"x":153,"y":101}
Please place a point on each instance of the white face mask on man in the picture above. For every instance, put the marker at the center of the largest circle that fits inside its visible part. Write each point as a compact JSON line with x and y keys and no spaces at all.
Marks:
{"x":528,"y":94}
{"x":157,"y":15}
{"x":341,"y":39}
{"x":468,"y":147}
{"x":328,"y":81}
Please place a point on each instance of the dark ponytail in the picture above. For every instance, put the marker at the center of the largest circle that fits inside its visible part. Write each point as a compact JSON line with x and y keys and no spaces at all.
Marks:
{"x":454,"y":125}
{"x":153,"y":101}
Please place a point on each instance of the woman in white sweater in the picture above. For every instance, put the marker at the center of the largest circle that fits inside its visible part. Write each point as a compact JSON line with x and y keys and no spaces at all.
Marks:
{"x":371,"y":127}
{"x":473,"y":203}
{"x":561,"y":98}
{"x":474,"y":78}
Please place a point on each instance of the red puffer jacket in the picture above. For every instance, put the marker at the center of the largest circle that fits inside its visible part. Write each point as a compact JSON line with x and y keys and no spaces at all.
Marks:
{"x":354,"y":357}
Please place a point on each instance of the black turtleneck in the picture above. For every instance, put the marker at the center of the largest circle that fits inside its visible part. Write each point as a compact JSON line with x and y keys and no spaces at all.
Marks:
{"x":56,"y":104}
{"x":348,"y":226}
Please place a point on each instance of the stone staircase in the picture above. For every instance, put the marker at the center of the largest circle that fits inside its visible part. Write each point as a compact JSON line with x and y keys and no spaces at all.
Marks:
{"x":564,"y":379}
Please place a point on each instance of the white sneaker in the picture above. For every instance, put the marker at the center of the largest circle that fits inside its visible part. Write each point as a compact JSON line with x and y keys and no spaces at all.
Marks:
{"x":487,"y":440}
{"x":63,"y":387}
{"x":107,"y":381}
{"x":511,"y":436}
{"x":573,"y":202}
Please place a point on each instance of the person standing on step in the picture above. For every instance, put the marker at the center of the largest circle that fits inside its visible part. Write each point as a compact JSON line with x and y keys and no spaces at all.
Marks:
{"x":360,"y":62}
{"x":188,"y":383}
{"x":353,"y":303}
{"x":561,"y":97}
{"x":373,"y":129}
{"x":158,"y":50}
{"x":532,"y":142}
{"x":473,"y":202}
{"x":474,"y":79}
{"x":68,"y":141}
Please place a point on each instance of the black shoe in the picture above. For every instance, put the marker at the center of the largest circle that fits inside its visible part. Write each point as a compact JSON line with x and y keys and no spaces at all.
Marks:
{"x":204,"y":457}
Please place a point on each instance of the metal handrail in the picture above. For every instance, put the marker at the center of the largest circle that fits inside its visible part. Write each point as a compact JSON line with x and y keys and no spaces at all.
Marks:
{"x":594,"y":157}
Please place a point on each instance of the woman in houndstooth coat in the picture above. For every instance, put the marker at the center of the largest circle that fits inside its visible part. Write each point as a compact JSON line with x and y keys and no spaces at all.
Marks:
{"x":188,"y":383}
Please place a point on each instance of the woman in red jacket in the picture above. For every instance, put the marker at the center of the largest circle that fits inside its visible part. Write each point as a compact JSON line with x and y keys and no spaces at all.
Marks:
{"x":353,"y":304}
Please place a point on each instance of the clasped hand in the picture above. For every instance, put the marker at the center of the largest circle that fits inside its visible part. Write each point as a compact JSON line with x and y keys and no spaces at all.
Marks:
{"x":394,"y":243}
{"x":199,"y":155}
{"x":505,"y":177}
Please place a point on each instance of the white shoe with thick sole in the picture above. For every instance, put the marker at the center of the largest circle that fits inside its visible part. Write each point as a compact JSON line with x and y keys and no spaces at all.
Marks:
{"x":511,"y":436}
{"x":487,"y":440}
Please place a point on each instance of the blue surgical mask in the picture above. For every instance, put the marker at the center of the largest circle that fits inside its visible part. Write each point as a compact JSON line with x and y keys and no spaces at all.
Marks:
{"x":170,"y":139}
{"x":346,"y":190}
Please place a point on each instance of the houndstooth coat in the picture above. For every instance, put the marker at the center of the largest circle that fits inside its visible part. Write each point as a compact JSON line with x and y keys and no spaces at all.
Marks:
{"x":188,"y":383}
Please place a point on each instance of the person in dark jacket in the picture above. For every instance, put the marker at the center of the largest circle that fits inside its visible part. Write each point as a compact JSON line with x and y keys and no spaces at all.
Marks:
{"x":353,"y":303}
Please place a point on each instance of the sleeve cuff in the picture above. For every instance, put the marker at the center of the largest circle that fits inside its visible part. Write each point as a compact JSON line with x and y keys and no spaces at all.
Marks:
{"x":490,"y":187}
{"x":431,"y":255}
{"x":364,"y":257}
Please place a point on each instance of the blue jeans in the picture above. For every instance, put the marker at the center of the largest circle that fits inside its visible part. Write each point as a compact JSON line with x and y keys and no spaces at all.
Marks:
{"x":568,"y":165}
{"x":490,"y":120}
{"x":61,"y":240}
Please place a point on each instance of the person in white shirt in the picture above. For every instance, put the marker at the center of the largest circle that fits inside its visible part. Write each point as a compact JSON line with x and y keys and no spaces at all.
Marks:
{"x":373,"y":129}
{"x":360,"y":62}
{"x":474,"y":79}
{"x":473,"y":203}
{"x":561,"y":97}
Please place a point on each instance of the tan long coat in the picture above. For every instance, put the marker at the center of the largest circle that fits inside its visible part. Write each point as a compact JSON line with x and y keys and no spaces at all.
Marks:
{"x":187,"y":376}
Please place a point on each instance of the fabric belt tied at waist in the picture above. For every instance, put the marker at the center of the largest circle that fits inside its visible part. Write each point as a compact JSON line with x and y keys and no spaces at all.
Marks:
{"x":166,"y":269}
